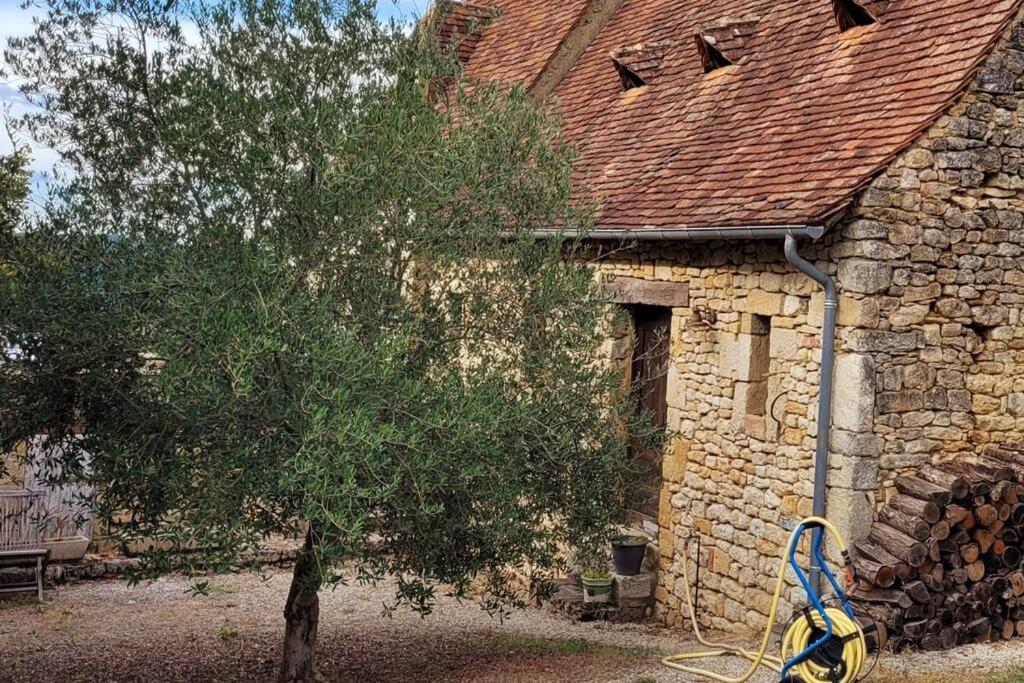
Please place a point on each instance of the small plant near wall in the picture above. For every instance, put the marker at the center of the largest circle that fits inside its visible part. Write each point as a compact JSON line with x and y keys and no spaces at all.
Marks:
{"x":597,"y":585}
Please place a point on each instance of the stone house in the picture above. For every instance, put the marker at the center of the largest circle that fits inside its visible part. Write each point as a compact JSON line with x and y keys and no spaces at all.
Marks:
{"x":883,"y":142}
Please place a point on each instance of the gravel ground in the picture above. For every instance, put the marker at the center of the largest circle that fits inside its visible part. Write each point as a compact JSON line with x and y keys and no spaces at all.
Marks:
{"x":105,"y":631}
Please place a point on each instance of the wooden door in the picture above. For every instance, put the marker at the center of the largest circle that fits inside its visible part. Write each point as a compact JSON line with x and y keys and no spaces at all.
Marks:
{"x":649,"y":377}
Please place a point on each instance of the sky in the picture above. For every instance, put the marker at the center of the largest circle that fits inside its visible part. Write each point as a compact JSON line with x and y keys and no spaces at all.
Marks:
{"x":15,"y":21}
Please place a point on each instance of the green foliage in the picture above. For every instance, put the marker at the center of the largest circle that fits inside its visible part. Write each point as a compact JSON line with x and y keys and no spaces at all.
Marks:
{"x":509,"y":644}
{"x":631,"y":540}
{"x":226,"y":633}
{"x":597,"y":574}
{"x":13,"y":601}
{"x":281,"y":287}
{"x":13,"y":190}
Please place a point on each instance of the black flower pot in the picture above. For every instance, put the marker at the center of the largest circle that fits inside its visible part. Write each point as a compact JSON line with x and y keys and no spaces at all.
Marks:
{"x":628,"y":554}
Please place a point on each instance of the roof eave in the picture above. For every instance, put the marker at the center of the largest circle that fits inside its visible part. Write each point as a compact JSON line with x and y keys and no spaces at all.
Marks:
{"x":673,"y":234}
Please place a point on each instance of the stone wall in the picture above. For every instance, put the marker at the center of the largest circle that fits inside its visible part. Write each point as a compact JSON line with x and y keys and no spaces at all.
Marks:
{"x":742,"y":387}
{"x":936,"y":244}
{"x":930,"y":267}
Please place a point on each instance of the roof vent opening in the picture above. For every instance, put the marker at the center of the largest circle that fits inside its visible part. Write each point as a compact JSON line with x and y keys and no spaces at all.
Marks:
{"x":710,"y":56}
{"x":639,"y":64}
{"x":629,"y":79}
{"x":850,"y":14}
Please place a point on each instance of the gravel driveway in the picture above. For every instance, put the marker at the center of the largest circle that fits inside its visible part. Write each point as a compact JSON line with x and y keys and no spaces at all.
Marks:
{"x":105,"y":631}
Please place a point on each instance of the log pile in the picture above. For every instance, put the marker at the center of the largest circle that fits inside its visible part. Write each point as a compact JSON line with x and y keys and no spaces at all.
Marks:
{"x":942,"y":565}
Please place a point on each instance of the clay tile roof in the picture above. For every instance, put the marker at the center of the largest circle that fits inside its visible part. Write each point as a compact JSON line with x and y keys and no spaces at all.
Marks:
{"x":806,"y":117}
{"x":517,"y":45}
{"x":461,"y":24}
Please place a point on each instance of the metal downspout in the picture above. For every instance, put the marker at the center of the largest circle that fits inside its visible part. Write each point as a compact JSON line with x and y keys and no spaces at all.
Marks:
{"x":828,"y":352}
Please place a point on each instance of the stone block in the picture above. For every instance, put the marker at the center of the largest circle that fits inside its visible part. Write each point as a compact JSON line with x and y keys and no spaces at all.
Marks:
{"x":676,"y":459}
{"x":784,"y":343}
{"x":956,"y":160}
{"x":852,"y":443}
{"x":990,"y":316}
{"x":907,"y":316}
{"x":631,"y":290}
{"x":918,"y":158}
{"x":852,"y":312}
{"x":743,"y":357}
{"x":903,"y":233}
{"x":852,"y":512}
{"x":900,"y":401}
{"x":918,"y":376}
{"x":982,"y":405}
{"x":959,"y":400}
{"x":922,"y":293}
{"x":879,"y":340}
{"x":853,"y":395}
{"x":953,"y":308}
{"x":761,"y":302}
{"x":1015,"y":404}
{"x":851,"y":472}
{"x":995,"y":81}
{"x":870,"y":230}
{"x":864,"y":276}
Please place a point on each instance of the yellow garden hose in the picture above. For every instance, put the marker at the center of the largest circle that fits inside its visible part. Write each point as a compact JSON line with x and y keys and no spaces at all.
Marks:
{"x":797,"y":638}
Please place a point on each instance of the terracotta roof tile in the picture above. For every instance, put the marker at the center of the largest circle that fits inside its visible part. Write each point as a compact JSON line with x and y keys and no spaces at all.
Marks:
{"x":462,"y":24}
{"x":517,"y":45}
{"x":788,"y":134}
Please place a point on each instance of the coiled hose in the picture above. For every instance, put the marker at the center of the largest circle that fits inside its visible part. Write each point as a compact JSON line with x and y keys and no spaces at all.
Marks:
{"x":800,"y":638}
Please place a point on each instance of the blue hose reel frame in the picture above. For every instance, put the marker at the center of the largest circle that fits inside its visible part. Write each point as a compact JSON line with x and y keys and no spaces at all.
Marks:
{"x":817,"y":542}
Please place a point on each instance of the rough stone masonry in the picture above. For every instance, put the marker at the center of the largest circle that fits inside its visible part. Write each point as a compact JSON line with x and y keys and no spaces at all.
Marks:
{"x":931,"y":352}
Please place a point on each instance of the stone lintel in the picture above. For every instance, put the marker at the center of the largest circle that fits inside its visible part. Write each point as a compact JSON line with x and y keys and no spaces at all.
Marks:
{"x":631,"y":290}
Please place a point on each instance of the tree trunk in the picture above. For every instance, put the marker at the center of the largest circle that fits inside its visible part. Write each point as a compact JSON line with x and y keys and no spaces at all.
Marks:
{"x":302,"y":616}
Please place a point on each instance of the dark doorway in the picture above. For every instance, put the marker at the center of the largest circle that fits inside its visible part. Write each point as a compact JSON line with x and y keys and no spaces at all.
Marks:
{"x":649,"y":368}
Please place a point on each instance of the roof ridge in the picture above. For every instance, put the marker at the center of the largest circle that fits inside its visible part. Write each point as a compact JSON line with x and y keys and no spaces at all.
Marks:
{"x":589,"y":24}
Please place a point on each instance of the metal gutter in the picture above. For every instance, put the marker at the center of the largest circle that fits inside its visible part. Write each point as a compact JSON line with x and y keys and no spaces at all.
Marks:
{"x":671,"y":234}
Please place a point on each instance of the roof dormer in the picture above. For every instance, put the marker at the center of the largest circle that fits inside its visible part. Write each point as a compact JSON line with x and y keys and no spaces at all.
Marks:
{"x":639,"y":64}
{"x":722,"y":43}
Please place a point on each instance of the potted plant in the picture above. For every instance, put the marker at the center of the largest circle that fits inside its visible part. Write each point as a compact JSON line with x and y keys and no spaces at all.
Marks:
{"x":628,"y":554}
{"x":597,"y":585}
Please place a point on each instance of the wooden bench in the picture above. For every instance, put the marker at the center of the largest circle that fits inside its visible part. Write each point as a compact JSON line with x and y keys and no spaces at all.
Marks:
{"x":21,"y":539}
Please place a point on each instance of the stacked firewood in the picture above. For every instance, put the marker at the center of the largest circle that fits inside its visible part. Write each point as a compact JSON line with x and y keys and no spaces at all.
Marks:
{"x":942,"y":565}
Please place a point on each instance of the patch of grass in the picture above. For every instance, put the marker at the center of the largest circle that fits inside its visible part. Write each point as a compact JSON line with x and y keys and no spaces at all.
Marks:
{"x":226,"y":633}
{"x":513,"y":643}
{"x":1013,"y":676}
{"x":18,"y":601}
{"x":206,"y":589}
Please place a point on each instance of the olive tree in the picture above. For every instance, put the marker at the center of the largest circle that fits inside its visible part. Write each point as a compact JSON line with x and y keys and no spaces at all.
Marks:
{"x":285,"y":283}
